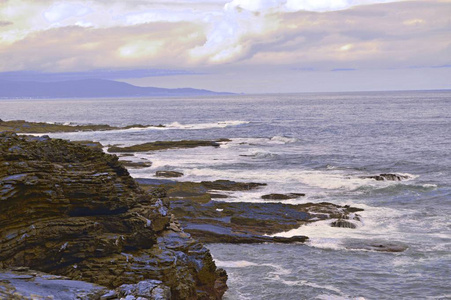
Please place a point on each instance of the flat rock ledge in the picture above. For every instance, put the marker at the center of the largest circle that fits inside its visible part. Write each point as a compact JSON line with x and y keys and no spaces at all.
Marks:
{"x":212,"y":221}
{"x":74,"y":211}
{"x":21,"y":126}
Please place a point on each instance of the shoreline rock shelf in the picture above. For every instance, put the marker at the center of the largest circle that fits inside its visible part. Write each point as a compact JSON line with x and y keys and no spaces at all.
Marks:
{"x":212,"y":221}
{"x":21,"y":126}
{"x":74,"y":211}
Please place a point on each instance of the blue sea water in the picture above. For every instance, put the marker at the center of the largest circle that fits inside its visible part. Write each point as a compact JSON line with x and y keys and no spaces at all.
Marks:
{"x":318,"y":144}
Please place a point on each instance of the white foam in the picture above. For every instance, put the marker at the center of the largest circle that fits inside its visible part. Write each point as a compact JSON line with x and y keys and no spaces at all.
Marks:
{"x":282,"y":140}
{"x":221,"y":124}
{"x":377,"y":222}
{"x":234,"y":264}
{"x":316,"y":286}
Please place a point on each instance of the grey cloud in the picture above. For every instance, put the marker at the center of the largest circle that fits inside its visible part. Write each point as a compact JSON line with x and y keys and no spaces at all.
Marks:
{"x":158,"y":45}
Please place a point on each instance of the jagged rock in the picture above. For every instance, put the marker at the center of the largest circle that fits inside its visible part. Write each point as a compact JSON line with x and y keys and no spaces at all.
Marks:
{"x":282,"y":196}
{"x":72,"y":210}
{"x":168,"y":174}
{"x":387,"y":177}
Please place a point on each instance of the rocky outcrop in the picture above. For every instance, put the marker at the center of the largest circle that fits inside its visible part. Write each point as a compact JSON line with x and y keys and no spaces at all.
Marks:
{"x":164,"y":145}
{"x":71,"y":210}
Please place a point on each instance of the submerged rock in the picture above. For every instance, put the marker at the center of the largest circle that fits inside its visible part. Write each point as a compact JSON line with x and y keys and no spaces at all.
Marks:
{"x":376,"y":245}
{"x":387,"y":177}
{"x":71,"y":210}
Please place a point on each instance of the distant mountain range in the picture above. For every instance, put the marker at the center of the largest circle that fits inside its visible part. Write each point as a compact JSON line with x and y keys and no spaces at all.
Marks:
{"x":90,"y":88}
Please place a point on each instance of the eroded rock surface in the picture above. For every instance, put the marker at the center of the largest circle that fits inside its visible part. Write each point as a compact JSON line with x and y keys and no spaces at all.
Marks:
{"x":71,"y":210}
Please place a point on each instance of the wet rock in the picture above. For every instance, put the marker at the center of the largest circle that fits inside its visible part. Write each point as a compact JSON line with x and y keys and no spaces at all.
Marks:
{"x":239,"y":222}
{"x":136,"y":164}
{"x":164,"y":145}
{"x":387,"y":177}
{"x":282,"y":196}
{"x":229,"y":185}
{"x":168,"y":174}
{"x":71,"y":210}
{"x":343,"y":224}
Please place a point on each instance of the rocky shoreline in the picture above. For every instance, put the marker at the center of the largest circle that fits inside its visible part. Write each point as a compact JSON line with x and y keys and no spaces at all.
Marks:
{"x":74,"y":212}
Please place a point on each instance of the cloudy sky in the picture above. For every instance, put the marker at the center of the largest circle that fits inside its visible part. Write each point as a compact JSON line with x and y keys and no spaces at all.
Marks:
{"x":251,"y":46}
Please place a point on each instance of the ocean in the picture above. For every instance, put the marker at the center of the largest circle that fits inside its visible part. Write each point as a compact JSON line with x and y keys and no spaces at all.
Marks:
{"x":318,"y":144}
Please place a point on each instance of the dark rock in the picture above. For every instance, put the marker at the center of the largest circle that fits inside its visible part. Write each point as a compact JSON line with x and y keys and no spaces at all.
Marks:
{"x":387,"y":177}
{"x":136,"y":164}
{"x":228,"y":185}
{"x":164,"y":145}
{"x":282,"y":196}
{"x":343,"y":224}
{"x":239,"y":222}
{"x":72,"y":210}
{"x":168,"y":174}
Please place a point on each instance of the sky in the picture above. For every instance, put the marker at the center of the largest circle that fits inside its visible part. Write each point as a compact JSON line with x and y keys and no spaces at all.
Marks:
{"x":243,"y":46}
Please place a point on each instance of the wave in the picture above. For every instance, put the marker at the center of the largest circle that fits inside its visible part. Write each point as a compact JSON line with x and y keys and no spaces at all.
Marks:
{"x":282,"y":139}
{"x":221,"y":124}
{"x":234,"y":264}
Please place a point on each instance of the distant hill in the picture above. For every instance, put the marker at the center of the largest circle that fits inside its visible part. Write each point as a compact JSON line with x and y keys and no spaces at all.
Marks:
{"x":90,"y":88}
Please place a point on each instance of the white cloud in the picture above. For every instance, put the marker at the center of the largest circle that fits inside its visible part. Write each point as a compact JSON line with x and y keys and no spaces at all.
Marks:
{"x":63,"y":10}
